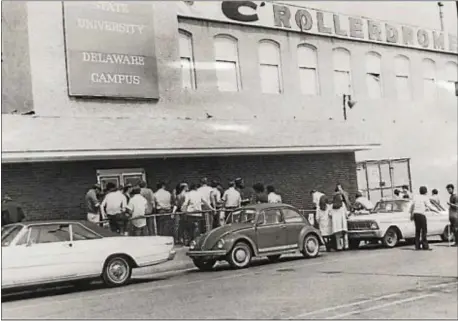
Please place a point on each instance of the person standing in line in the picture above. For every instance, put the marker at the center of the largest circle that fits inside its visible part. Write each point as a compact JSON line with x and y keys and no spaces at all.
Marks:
{"x":345,"y":196}
{"x":272,"y":197}
{"x":362,"y":203}
{"x":163,"y":200}
{"x":339,"y":221}
{"x":148,"y":194}
{"x":113,"y":207}
{"x":417,"y":214}
{"x":180,"y":219}
{"x":406,"y":192}
{"x":316,"y":196}
{"x":11,"y":211}
{"x":453,"y":212}
{"x":231,"y":199}
{"x":137,"y":208}
{"x":240,"y":187}
{"x":259,"y":195}
{"x":206,"y":191}
{"x":193,"y":205}
{"x":435,"y":199}
{"x":93,"y":204}
{"x":215,"y":198}
{"x":323,"y":217}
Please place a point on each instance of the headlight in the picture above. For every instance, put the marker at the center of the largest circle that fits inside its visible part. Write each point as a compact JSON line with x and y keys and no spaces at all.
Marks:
{"x":374,"y":226}
{"x":220,"y":244}
{"x":192,"y":245}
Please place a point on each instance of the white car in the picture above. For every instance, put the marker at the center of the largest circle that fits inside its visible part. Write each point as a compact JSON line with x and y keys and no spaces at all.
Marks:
{"x":390,"y":222}
{"x":40,"y":253}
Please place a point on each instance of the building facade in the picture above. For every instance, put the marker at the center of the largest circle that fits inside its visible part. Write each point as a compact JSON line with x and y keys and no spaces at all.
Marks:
{"x":175,"y":91}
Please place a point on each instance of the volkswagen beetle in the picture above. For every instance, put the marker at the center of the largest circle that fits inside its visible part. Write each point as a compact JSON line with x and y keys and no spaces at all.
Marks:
{"x":254,"y":231}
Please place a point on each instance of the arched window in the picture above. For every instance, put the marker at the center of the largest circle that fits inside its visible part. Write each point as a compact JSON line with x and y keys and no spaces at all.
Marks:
{"x":451,"y":77}
{"x":342,"y":71}
{"x":308,"y":69}
{"x":270,"y":67}
{"x":374,"y":75}
{"x":227,"y":63}
{"x":188,"y":70}
{"x":429,"y":79}
{"x":402,"y":72}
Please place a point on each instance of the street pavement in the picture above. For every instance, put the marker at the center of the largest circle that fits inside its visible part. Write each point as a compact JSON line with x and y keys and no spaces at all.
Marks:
{"x":372,"y":283}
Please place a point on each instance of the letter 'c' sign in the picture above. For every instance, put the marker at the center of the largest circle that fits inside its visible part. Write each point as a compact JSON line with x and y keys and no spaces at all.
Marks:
{"x":231,"y":9}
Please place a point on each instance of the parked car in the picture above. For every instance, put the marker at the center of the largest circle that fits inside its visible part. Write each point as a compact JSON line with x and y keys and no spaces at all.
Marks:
{"x":41,"y":253}
{"x":258,"y":230}
{"x":389,"y":222}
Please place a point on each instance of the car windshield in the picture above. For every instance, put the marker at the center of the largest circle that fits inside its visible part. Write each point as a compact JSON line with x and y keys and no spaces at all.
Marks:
{"x":242,"y":216}
{"x":391,"y":206}
{"x":9,"y":233}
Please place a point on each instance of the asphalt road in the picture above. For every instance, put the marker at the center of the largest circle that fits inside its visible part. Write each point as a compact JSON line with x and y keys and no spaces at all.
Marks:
{"x":369,"y":283}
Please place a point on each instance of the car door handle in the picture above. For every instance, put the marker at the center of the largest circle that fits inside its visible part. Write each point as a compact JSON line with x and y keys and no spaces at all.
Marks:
{"x":68,"y":245}
{"x":283,"y":226}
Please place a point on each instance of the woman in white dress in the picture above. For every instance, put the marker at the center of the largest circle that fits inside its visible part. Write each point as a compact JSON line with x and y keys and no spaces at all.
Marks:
{"x":323,"y":216}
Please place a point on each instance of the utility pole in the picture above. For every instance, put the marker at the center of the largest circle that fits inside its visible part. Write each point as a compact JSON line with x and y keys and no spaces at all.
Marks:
{"x":441,"y":15}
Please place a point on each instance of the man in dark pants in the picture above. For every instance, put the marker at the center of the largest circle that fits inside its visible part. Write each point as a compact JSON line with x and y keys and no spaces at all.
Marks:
{"x":453,"y":212}
{"x":421,"y":203}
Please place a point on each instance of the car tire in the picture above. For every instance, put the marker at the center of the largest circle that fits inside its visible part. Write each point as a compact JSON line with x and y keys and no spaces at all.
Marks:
{"x":311,"y":246}
{"x":204,"y":265}
{"x":390,"y":239}
{"x":447,"y":235}
{"x":354,"y":244}
{"x":240,"y":255}
{"x":117,"y":271}
{"x":274,"y":258}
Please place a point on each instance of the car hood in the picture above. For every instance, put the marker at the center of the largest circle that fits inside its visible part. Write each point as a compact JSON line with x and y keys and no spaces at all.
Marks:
{"x":372,"y":217}
{"x":208,"y":240}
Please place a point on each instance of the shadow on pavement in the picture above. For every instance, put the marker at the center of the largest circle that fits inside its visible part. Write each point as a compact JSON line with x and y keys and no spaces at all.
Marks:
{"x":67,"y":289}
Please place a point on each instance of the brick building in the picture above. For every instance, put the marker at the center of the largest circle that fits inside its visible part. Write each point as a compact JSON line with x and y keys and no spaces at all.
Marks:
{"x":203,"y":94}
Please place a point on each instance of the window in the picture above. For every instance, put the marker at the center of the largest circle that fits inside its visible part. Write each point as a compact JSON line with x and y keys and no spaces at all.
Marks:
{"x":402,"y":72}
{"x":374,"y":75}
{"x":270,"y":67}
{"x":51,"y":233}
{"x":9,"y":233}
{"x":81,"y":233}
{"x":242,"y":216}
{"x":188,"y":71}
{"x":308,"y":66}
{"x":272,"y":216}
{"x":429,"y":79}
{"x":292,"y":216}
{"x":342,"y":71}
{"x":227,"y":63}
{"x":122,"y":176}
{"x":451,"y":76}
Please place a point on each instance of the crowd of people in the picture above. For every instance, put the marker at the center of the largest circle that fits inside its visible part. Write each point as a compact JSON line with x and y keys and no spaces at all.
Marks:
{"x":332,"y":213}
{"x":184,"y":213}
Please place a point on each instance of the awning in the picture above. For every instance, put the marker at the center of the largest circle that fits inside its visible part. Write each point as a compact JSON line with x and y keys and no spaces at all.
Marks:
{"x":38,"y":139}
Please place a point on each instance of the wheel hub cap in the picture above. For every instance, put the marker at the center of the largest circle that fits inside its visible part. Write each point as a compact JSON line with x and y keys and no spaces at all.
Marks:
{"x":311,"y":246}
{"x":240,"y":255}
{"x":117,"y":271}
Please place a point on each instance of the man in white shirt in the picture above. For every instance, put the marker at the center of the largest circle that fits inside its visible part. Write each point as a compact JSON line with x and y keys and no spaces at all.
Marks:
{"x":273,"y":197}
{"x":231,"y":198}
{"x":206,"y":191}
{"x":421,"y":203}
{"x":362,"y":203}
{"x":163,"y":201}
{"x":316,"y":196}
{"x":193,"y":207}
{"x":113,"y":208}
{"x":148,"y":194}
{"x":137,"y":207}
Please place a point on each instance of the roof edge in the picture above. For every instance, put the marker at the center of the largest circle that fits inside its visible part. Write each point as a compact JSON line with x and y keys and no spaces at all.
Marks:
{"x":64,"y":156}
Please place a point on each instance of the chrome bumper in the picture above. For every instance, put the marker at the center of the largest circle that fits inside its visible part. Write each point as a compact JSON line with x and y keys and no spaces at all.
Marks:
{"x":361,"y":234}
{"x":171,"y":255}
{"x":216,"y":253}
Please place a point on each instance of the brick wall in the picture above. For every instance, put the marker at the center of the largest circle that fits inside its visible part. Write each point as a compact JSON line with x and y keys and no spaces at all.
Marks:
{"x":56,"y":190}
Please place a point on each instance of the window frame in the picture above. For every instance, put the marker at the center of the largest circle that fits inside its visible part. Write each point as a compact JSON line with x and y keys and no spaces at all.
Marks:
{"x":337,"y":69}
{"x":372,"y":73}
{"x":236,"y":60}
{"x":302,"y":219}
{"x":427,"y":78}
{"x":30,"y":230}
{"x":119,"y":173}
{"x":309,"y":67}
{"x":278,"y":64}
{"x":278,"y":210}
{"x":192,"y":69}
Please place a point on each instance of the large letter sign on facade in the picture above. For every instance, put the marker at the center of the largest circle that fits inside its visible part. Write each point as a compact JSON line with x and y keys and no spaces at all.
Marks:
{"x":110,"y":49}
{"x":231,"y":10}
